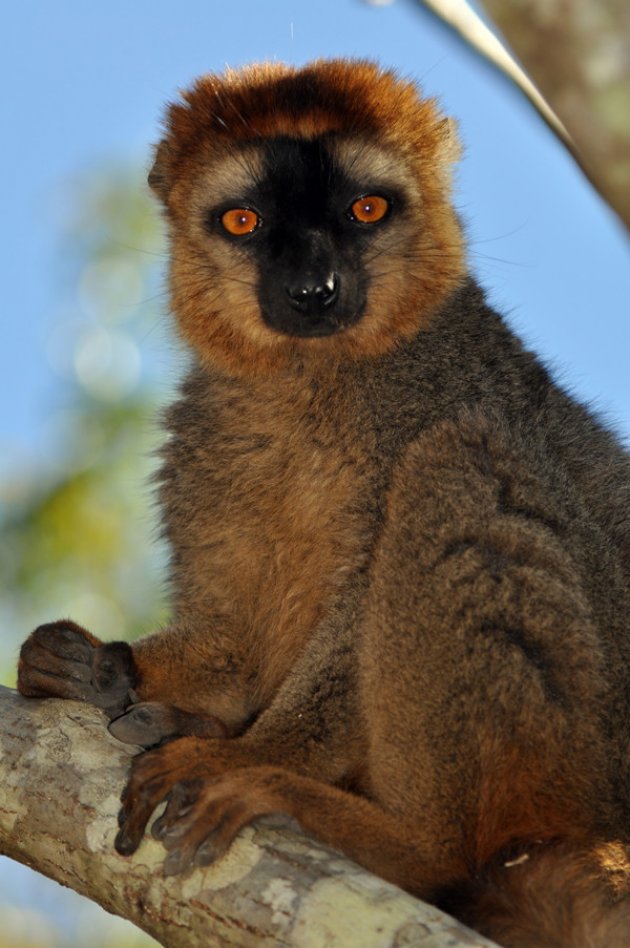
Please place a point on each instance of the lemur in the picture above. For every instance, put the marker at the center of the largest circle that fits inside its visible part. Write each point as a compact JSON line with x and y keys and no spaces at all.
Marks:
{"x":400,"y":553}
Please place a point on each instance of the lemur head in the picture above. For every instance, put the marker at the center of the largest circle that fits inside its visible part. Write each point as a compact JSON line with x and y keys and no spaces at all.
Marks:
{"x":309,"y":213}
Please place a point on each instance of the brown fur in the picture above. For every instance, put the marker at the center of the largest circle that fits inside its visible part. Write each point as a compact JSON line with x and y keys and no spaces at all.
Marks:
{"x":401,"y":554}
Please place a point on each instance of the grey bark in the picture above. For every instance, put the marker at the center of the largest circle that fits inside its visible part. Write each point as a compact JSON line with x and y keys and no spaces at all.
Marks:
{"x":578,"y":55}
{"x":61,"y":774}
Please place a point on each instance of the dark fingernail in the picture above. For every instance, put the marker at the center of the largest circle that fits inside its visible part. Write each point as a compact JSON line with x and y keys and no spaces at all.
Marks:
{"x":173,"y":832}
{"x":183,"y":810}
{"x":206,"y":854}
{"x":123,"y":844}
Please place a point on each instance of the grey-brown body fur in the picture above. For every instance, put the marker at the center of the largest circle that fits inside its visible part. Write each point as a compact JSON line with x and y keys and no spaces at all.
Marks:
{"x":552,"y":471}
{"x":480,"y":584}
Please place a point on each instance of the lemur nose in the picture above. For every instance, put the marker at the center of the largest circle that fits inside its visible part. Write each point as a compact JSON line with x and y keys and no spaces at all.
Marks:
{"x":314,"y":295}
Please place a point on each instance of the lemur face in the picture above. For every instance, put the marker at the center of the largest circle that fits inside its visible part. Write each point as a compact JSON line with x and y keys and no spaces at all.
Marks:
{"x":312,"y":228}
{"x":297,"y":229}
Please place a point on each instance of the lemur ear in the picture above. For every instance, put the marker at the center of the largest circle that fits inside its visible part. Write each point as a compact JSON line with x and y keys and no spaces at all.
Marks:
{"x":450,"y":145}
{"x":159,"y":177}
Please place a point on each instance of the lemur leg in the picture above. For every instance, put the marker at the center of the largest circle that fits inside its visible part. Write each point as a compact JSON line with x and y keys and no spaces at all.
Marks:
{"x":312,"y":724}
{"x":206,"y":810}
{"x":311,"y":729}
{"x":483,"y":681}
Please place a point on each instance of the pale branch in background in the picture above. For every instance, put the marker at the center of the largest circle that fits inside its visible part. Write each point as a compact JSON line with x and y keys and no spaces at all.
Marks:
{"x":463,"y":19}
{"x":578,"y":56}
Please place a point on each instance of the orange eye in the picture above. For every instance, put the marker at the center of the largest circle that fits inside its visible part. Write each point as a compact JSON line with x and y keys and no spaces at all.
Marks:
{"x":240,"y":221}
{"x":369,"y":209}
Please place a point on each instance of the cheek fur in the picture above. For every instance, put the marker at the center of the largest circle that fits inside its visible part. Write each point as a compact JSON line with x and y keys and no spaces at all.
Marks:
{"x":410,"y":276}
{"x":218,"y":313}
{"x":411,"y":273}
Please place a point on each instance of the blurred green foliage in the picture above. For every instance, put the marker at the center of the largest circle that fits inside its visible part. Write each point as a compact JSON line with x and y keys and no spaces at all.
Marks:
{"x":78,"y":535}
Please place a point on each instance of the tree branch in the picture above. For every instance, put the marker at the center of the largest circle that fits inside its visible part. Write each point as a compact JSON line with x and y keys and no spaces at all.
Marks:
{"x":578,"y":57}
{"x":61,"y":774}
{"x":469,"y":25}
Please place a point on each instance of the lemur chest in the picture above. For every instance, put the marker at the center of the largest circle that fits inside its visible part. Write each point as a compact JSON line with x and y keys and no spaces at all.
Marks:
{"x":283,"y":522}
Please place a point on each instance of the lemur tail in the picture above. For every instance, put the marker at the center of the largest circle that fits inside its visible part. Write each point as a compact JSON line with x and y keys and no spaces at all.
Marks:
{"x":557,"y":895}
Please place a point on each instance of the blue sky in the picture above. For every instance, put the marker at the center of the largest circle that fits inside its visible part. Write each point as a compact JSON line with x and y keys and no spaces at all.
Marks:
{"x":87,"y":85}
